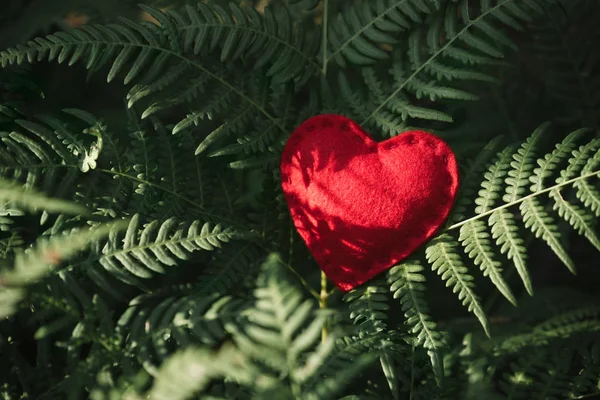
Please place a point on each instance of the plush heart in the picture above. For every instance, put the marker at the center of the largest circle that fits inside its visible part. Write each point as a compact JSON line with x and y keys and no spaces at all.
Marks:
{"x":362,"y":206}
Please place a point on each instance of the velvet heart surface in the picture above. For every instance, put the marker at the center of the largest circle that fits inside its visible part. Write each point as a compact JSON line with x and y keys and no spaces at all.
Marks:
{"x":362,"y":206}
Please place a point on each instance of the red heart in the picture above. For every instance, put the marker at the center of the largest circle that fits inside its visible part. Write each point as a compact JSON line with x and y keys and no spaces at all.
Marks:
{"x":362,"y":206}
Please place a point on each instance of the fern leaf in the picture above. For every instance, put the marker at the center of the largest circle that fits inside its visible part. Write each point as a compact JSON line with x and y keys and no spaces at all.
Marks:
{"x":357,"y":34}
{"x":478,"y":246}
{"x":145,"y":250}
{"x":493,"y":181}
{"x":505,"y":232}
{"x":368,"y":307}
{"x":469,"y":181}
{"x":576,"y":216}
{"x":445,"y":260}
{"x":522,"y":166}
{"x":453,"y":33}
{"x":406,"y":282}
{"x":587,"y":193}
{"x":544,"y":226}
{"x":503,"y":223}
{"x":33,"y":264}
{"x":12,"y":193}
{"x":547,"y":165}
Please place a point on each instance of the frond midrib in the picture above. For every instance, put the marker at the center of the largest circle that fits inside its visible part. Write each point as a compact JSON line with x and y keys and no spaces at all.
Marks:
{"x":522,"y":199}
{"x":364,"y":28}
{"x":238,"y":92}
{"x":155,"y":244}
{"x":490,"y":268}
{"x":418,"y":70}
{"x":223,"y":270}
{"x":415,"y":306}
{"x":254,"y":30}
{"x":459,"y":278}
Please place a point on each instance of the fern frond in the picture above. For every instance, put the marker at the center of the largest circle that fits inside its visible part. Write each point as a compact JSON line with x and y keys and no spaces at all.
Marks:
{"x":503,"y":223}
{"x":13,"y":194}
{"x":199,"y":30}
{"x":358,"y":33}
{"x":229,"y":267}
{"x":446,"y":261}
{"x":576,"y":216}
{"x":477,"y":244}
{"x":177,"y":313}
{"x":368,"y":306}
{"x":33,"y":264}
{"x":282,"y":332}
{"x":189,"y":371}
{"x":406,"y":282}
{"x":146,"y":249}
{"x":279,"y":313}
{"x":570,"y":58}
{"x":516,"y":176}
{"x":453,"y":35}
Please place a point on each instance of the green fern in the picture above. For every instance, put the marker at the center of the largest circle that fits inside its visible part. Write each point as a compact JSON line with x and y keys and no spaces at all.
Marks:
{"x":34,"y":264}
{"x":423,"y":66}
{"x":356,"y":34}
{"x":570,"y":58}
{"x":146,"y":249}
{"x":407,"y":284}
{"x":187,"y":299}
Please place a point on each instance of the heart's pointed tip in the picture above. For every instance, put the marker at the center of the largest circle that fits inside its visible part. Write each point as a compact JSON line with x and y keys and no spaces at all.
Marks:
{"x":345,"y":287}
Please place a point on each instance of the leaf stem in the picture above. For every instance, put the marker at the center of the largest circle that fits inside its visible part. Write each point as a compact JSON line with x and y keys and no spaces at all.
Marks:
{"x":312,"y":291}
{"x":324,"y":36}
{"x":323,"y":303}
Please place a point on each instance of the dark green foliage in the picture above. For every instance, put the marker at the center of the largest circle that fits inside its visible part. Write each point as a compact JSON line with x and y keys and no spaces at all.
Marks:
{"x":147,"y":250}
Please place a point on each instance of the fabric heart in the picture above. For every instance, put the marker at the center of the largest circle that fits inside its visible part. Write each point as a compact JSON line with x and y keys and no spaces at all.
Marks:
{"x":362,"y":206}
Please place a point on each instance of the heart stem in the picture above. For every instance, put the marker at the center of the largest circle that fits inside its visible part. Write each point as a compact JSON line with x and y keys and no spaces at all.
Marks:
{"x":323,"y":303}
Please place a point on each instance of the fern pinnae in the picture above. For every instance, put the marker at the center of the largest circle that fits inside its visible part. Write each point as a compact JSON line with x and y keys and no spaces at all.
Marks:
{"x":444,"y":258}
{"x":368,"y":307}
{"x":247,"y":33}
{"x":406,"y":283}
{"x":576,"y":216}
{"x":505,"y":232}
{"x":478,"y":246}
{"x":504,"y":229}
{"x":491,"y":185}
{"x":522,"y":166}
{"x":393,"y":18}
{"x":110,"y":39}
{"x":168,"y":241}
{"x":13,"y":193}
{"x":548,"y":164}
{"x":452,"y":35}
{"x":534,"y":214}
{"x":587,"y":193}
{"x":543,"y":225}
{"x":469,"y":180}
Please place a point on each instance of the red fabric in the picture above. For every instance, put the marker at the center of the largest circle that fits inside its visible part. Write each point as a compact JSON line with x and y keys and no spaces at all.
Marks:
{"x":362,"y":206}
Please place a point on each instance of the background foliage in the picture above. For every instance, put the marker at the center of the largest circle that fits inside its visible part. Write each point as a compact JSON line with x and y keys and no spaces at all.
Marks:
{"x":147,"y":251}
